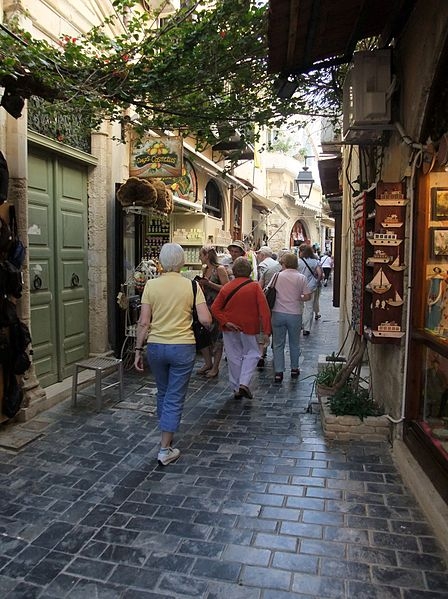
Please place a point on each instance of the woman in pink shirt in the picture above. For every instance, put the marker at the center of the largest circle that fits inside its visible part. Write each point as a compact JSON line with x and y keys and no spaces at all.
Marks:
{"x":292,"y":289}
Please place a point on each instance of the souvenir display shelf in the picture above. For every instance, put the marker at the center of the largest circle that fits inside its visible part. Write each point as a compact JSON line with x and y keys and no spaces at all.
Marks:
{"x":378,"y":268}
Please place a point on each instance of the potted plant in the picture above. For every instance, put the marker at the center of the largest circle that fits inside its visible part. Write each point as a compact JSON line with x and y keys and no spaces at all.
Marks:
{"x":326,"y":377}
{"x":353,"y":400}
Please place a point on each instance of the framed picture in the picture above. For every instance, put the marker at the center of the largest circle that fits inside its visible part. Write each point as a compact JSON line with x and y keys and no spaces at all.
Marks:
{"x":439,"y":242}
{"x":439,"y":203}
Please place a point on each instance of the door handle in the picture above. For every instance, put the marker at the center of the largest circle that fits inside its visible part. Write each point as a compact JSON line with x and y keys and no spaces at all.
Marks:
{"x":74,"y":280}
{"x":37,"y":282}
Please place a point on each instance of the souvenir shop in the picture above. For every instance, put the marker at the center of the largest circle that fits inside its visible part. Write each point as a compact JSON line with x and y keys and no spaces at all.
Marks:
{"x":152,"y":211}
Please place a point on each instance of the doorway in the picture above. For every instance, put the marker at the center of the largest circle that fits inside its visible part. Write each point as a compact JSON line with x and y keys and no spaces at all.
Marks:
{"x":57,"y":240}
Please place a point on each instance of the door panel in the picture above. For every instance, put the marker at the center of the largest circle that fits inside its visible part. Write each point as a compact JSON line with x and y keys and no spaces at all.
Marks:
{"x":58,"y":265}
{"x":72,"y":265}
{"x":42,"y":281}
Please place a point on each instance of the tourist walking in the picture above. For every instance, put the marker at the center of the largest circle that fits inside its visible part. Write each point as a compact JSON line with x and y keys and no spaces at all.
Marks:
{"x":240,"y":308}
{"x":291,"y":292}
{"x":309,"y":267}
{"x":214,"y":276}
{"x":166,"y":312}
{"x":326,"y":263}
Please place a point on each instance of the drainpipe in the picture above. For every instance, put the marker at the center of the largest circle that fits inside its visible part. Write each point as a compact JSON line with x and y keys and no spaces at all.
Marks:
{"x":415,"y":162}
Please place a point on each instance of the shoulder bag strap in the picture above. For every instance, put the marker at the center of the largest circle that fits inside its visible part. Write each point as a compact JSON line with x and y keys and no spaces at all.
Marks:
{"x":309,"y":268}
{"x":13,"y":221}
{"x":273,"y":281}
{"x":232,"y":293}
{"x":194,"y":285}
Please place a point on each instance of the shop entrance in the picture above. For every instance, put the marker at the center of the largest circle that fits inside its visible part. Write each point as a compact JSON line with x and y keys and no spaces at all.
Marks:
{"x":57,"y":234}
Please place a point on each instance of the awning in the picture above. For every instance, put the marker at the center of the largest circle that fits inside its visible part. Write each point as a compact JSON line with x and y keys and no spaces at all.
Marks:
{"x":211,"y":168}
{"x":329,"y":175}
{"x":186,"y":204}
{"x":262,"y":202}
{"x":309,"y":34}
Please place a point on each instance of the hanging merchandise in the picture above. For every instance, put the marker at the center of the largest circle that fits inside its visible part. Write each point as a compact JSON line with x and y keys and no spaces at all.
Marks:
{"x":13,"y":396}
{"x":137,"y":192}
{"x":17,"y":251}
{"x":5,"y":237}
{"x":4,"y":179}
{"x":152,"y":194}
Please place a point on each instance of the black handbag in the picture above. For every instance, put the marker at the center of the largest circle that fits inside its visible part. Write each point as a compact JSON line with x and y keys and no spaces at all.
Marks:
{"x":270,"y":292}
{"x":201,"y":334}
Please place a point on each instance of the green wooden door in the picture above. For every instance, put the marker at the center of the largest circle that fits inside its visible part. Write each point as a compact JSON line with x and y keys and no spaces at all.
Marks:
{"x":57,"y":233}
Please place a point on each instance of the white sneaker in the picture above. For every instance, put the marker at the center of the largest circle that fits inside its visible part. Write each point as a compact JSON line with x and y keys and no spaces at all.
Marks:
{"x":166,"y":457}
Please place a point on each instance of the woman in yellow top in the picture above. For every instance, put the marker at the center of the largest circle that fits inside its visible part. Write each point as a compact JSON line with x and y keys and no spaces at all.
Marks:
{"x":166,"y":312}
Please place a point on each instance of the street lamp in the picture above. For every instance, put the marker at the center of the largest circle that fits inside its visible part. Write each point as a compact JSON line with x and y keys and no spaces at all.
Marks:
{"x":304,"y":182}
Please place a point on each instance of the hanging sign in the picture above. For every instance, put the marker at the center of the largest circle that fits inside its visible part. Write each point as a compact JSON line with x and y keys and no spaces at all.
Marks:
{"x":156,"y":157}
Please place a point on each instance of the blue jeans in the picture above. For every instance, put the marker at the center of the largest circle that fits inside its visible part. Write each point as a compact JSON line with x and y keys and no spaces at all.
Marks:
{"x":283,"y":323}
{"x":172,"y":365}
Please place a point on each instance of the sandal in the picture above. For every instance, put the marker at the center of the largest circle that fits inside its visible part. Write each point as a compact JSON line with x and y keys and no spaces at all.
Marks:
{"x":245,"y":392}
{"x":295,"y":373}
{"x":278,"y":378}
{"x":204,"y":369}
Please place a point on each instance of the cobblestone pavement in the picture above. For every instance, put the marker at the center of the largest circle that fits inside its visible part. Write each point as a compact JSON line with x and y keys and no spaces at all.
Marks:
{"x":259,"y":506}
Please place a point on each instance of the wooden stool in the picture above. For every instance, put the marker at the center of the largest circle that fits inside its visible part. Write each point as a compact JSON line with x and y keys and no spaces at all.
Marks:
{"x":101,"y":366}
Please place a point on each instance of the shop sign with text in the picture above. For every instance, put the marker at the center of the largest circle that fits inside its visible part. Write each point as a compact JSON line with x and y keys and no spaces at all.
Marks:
{"x":157,"y":157}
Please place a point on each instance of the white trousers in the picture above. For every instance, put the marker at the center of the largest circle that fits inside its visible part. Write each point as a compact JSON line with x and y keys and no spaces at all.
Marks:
{"x":243,"y":353}
{"x":307,"y":317}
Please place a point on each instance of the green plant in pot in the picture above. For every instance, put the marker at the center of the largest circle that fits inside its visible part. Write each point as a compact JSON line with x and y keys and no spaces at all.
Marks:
{"x":327,"y":376}
{"x":352,"y":400}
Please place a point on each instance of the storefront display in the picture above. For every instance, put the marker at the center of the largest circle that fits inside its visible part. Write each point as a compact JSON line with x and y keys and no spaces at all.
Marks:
{"x":157,"y":233}
{"x":426,"y":424}
{"x":378,"y":263}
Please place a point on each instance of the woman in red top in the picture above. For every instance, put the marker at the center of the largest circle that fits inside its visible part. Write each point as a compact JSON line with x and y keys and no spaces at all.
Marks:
{"x":240,"y":316}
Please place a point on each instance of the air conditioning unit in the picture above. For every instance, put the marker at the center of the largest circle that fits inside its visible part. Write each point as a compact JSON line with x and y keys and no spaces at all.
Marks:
{"x":330,"y":137}
{"x":367,"y":97}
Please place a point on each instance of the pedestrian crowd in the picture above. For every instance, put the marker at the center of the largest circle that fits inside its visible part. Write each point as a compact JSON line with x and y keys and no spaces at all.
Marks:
{"x":230,"y":301}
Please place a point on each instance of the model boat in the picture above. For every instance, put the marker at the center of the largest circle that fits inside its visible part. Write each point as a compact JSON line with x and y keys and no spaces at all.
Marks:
{"x":391,"y":221}
{"x":391,"y":201}
{"x":388,"y":329}
{"x":396,"y":301}
{"x":395,"y":265}
{"x":379,"y":283}
{"x":379,"y":257}
{"x":383,"y":239}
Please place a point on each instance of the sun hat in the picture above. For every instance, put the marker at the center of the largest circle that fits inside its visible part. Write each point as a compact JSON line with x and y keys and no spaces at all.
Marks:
{"x":238,"y":244}
{"x":265,"y":249}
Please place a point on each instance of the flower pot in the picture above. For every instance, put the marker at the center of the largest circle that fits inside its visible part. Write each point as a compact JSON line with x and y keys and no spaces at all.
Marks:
{"x":324,"y":390}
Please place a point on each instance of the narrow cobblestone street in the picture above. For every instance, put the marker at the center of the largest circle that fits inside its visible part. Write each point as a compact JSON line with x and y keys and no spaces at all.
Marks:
{"x":259,"y":505}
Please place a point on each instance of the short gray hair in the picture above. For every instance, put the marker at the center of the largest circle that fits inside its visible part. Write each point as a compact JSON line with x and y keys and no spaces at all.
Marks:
{"x":172,"y":257}
{"x":242,"y":267}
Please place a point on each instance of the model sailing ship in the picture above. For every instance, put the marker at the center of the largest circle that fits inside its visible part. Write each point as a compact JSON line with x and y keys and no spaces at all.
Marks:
{"x":379,"y":284}
{"x":396,"y":301}
{"x":395,"y":265}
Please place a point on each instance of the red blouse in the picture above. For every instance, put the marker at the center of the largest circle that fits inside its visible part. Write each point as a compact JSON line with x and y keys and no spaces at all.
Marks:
{"x":248,"y":308}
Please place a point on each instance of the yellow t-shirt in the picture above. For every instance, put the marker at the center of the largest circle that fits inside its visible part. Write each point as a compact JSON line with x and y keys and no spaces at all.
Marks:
{"x":171,"y":298}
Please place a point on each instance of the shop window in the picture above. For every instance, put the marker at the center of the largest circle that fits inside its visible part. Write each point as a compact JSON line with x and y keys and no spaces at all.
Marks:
{"x":434,"y":405}
{"x":213,"y":200}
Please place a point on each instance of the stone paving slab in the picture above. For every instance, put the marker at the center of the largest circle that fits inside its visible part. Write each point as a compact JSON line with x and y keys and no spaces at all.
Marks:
{"x":259,"y":506}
